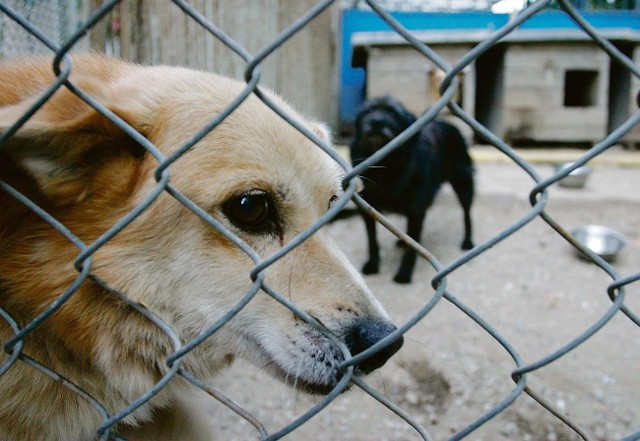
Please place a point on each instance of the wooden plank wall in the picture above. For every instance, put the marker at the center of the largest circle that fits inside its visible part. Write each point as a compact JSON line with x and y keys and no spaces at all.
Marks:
{"x":303,"y":70}
{"x":56,"y":19}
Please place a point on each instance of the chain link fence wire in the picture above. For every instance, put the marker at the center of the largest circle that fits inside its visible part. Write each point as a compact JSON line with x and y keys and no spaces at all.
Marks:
{"x":31,"y":24}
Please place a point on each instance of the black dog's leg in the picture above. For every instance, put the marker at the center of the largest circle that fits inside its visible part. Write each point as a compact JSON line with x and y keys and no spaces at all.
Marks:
{"x":467,"y":242}
{"x":373,"y":264}
{"x":414,"y":230}
{"x":463,"y":187}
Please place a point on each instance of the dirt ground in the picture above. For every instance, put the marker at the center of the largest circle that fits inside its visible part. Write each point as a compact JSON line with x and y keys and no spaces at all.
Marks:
{"x":531,"y":288}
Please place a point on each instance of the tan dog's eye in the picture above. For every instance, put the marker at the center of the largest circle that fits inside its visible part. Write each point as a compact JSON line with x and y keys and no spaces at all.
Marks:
{"x":253,"y":211}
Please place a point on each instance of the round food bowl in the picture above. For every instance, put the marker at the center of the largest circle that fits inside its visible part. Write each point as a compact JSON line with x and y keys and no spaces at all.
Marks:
{"x":575,"y":179}
{"x":603,"y":241}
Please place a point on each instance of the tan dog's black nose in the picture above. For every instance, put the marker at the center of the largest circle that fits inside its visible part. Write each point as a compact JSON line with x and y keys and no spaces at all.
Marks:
{"x":364,"y":335}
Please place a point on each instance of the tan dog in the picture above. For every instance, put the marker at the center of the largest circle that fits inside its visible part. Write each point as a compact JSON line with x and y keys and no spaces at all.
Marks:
{"x":257,"y":175}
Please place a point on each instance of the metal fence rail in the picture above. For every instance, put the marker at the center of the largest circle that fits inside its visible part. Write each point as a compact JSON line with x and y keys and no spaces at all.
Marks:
{"x":538,"y":198}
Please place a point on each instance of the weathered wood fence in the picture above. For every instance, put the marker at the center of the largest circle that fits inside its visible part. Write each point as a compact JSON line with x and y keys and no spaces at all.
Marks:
{"x":303,"y":70}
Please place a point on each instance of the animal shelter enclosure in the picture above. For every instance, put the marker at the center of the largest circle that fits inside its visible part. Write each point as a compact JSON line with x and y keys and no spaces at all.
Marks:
{"x":528,"y":88}
{"x":478,"y":361}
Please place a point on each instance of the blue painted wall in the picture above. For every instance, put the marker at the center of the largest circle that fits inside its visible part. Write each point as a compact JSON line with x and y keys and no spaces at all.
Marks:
{"x":352,"y":81}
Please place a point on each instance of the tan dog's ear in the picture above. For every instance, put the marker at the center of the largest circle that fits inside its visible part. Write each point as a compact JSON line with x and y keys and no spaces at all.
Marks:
{"x":65,"y":145}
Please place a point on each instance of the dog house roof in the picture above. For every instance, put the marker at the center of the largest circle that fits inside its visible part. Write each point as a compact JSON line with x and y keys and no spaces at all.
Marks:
{"x":363,"y":41}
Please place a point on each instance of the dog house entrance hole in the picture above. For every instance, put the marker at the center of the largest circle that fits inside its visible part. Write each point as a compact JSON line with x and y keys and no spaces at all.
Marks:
{"x":580,"y":88}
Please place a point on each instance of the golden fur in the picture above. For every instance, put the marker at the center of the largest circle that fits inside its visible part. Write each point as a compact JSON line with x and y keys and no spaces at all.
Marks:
{"x":88,"y":174}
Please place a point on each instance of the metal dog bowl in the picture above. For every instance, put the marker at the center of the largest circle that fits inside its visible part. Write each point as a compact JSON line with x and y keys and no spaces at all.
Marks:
{"x":575,"y":179}
{"x":603,"y":241}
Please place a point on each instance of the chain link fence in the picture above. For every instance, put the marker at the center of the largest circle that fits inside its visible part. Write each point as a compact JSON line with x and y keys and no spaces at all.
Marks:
{"x":30,"y":25}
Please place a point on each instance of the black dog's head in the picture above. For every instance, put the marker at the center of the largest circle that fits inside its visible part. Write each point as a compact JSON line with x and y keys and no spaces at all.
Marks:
{"x":378,"y":122}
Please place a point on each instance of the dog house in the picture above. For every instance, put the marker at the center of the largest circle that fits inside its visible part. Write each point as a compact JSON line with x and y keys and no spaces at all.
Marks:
{"x":547,"y":86}
{"x":395,"y":68}
{"x":560,"y":86}
{"x":555,"y":90}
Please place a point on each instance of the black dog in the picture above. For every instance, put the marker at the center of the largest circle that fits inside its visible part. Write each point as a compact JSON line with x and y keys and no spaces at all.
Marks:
{"x":408,"y":179}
